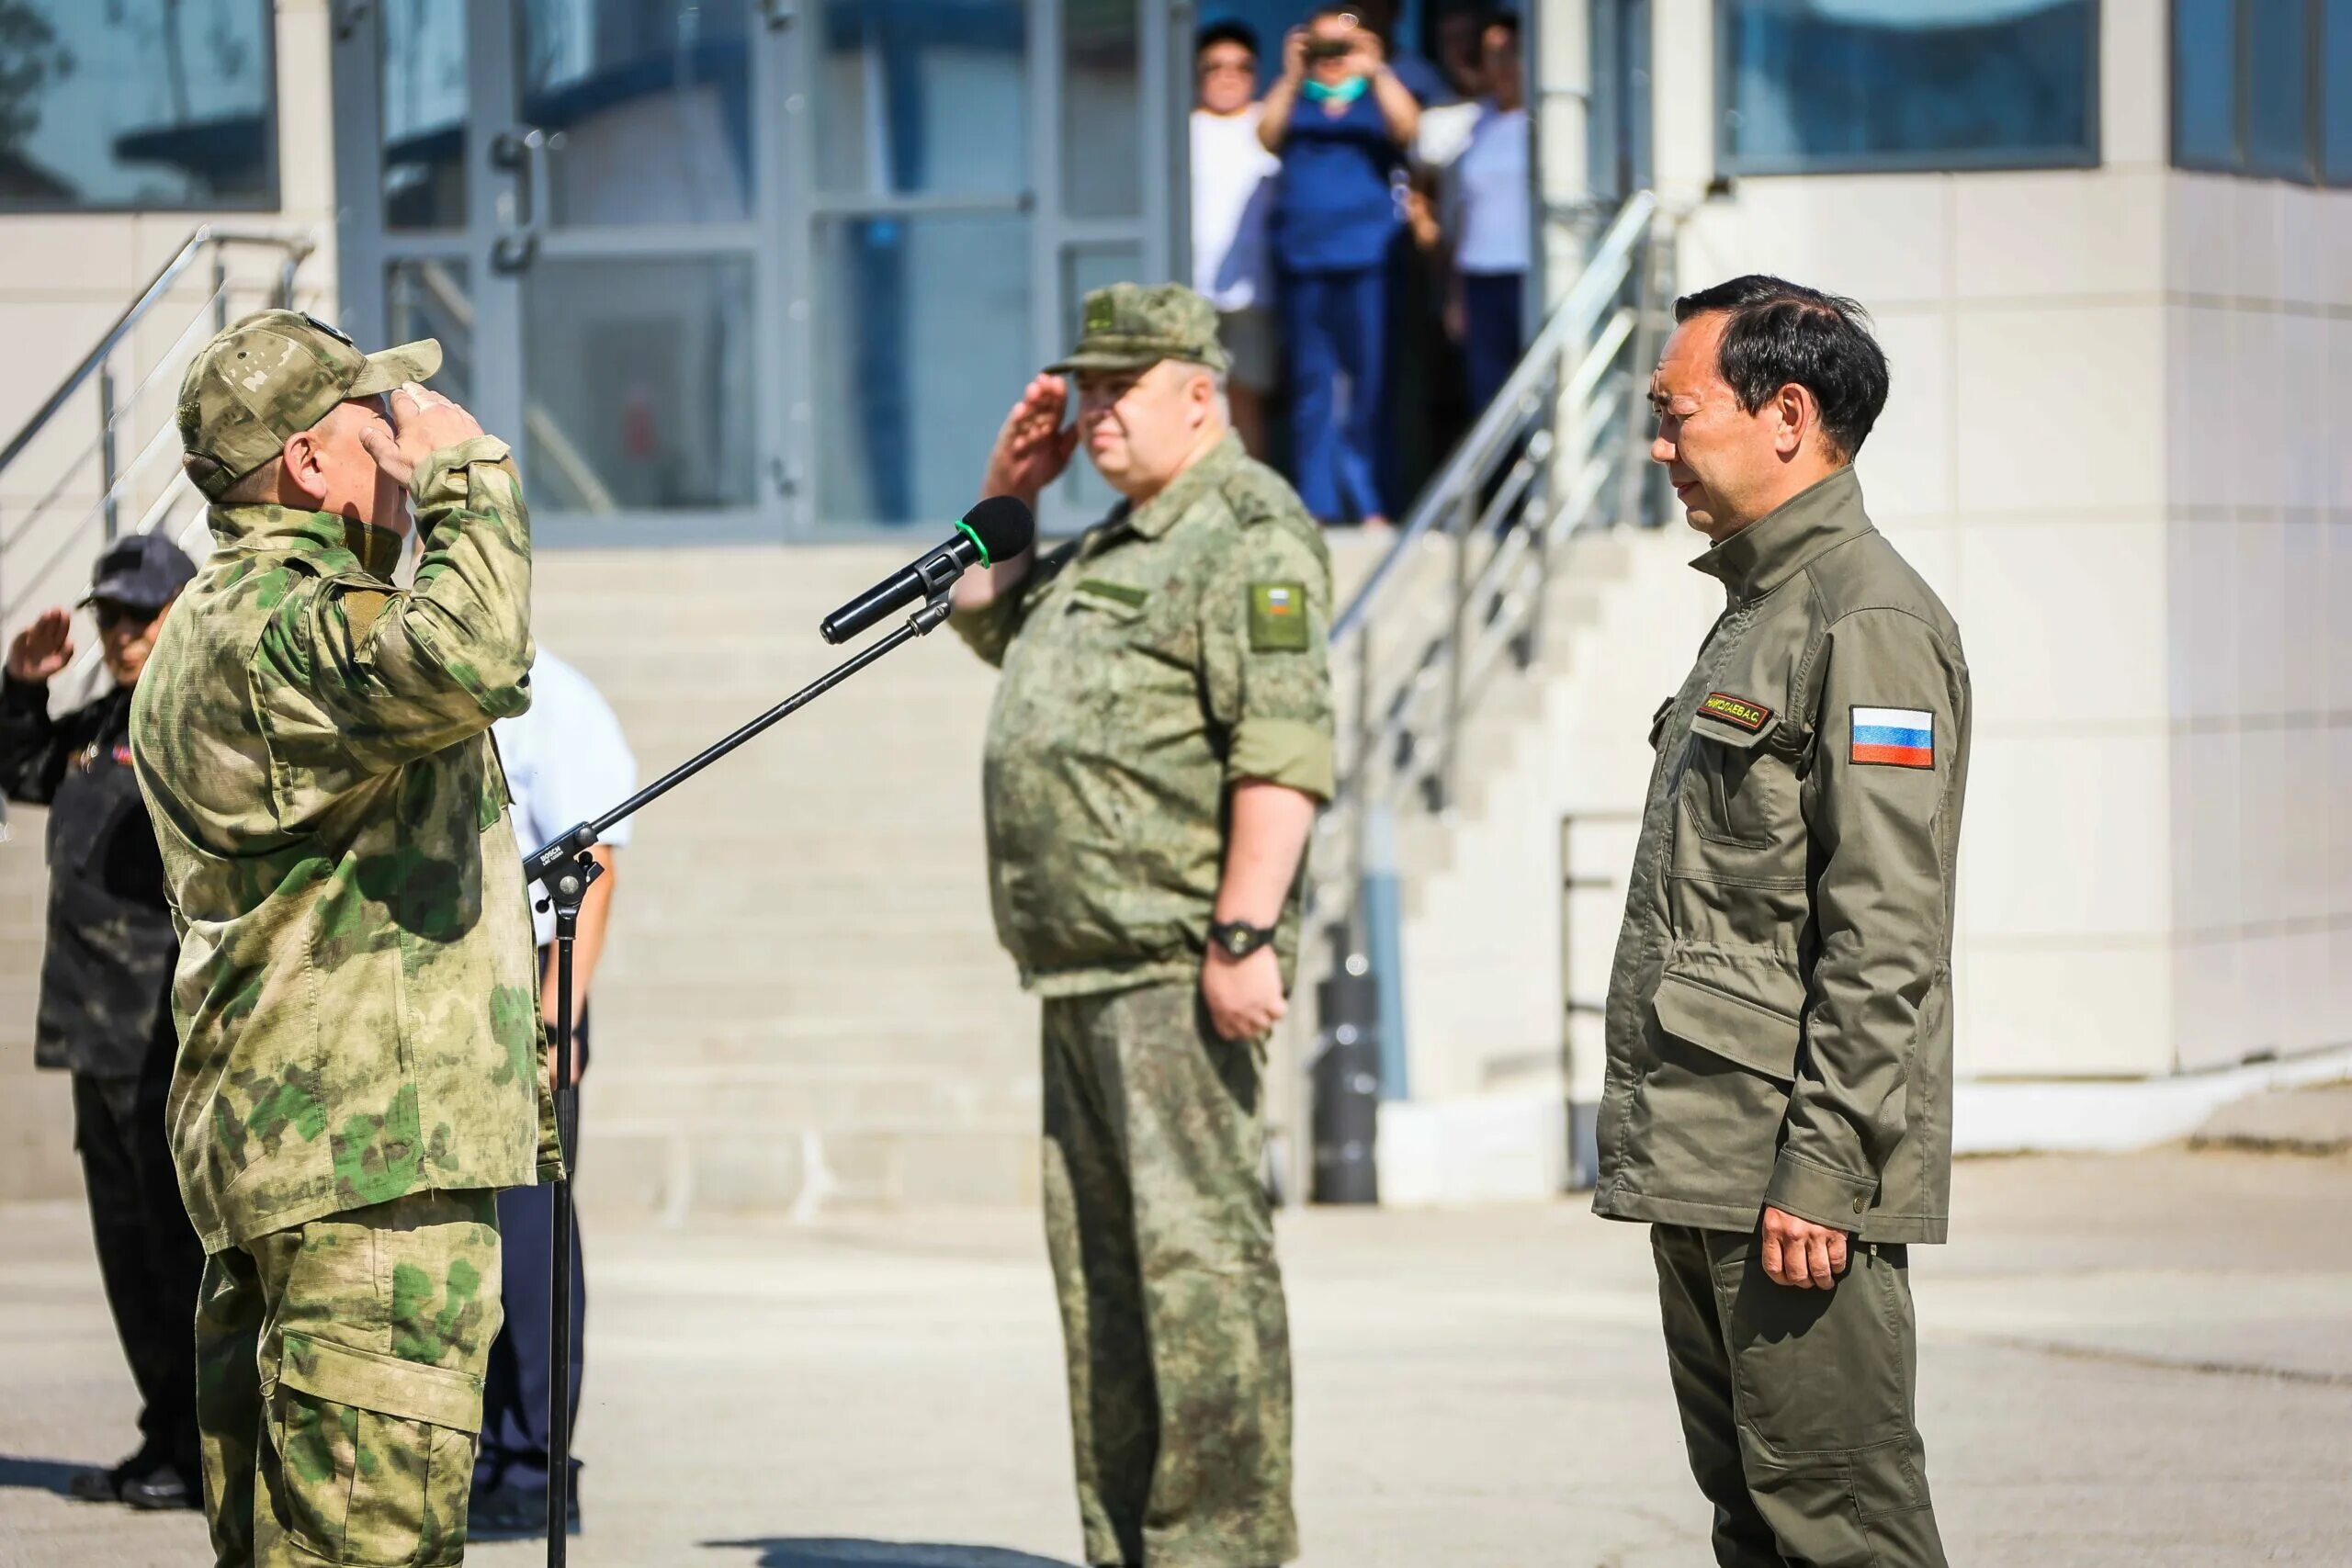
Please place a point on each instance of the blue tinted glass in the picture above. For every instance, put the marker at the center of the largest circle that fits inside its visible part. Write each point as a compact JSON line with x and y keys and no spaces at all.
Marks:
{"x":922,"y":344}
{"x":2205,"y":84}
{"x":133,"y":103}
{"x":1897,"y":83}
{"x":2336,"y":108}
{"x":2278,"y":74}
{"x":922,"y":96}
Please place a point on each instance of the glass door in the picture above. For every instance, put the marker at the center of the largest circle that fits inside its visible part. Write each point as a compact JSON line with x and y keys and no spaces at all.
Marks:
{"x":577,"y":197}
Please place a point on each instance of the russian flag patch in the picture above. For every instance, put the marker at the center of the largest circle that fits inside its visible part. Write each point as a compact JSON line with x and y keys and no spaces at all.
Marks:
{"x":1894,"y":737}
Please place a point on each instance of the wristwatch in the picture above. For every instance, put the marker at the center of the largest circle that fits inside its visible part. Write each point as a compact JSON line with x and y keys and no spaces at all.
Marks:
{"x":1238,"y":939}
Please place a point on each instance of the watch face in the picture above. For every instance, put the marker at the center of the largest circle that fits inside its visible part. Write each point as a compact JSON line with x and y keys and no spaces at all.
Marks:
{"x":1237,"y":940}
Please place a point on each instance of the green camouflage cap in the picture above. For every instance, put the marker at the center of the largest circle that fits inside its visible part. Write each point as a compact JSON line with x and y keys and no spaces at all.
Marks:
{"x":1133,"y":326}
{"x":275,"y":375}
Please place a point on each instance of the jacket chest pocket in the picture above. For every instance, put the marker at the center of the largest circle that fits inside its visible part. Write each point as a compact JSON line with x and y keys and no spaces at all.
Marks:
{"x":1738,"y":790}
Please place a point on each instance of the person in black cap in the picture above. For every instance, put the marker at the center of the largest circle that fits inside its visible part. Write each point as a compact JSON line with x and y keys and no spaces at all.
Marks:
{"x":106,"y":1012}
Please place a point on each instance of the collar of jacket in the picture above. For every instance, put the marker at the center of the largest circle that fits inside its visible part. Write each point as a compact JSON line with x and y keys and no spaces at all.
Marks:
{"x":1782,"y":542}
{"x":1155,"y":517}
{"x":267,"y":526}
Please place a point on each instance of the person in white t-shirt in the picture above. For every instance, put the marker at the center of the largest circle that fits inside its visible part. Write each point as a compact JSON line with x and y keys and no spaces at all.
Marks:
{"x":1233,"y":194}
{"x":566,"y":761}
{"x":1489,"y":219}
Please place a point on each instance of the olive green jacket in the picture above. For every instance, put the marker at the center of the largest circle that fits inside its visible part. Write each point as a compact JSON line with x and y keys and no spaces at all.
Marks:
{"x":1169,"y":651}
{"x":1780,"y":1010}
{"x":356,"y":996}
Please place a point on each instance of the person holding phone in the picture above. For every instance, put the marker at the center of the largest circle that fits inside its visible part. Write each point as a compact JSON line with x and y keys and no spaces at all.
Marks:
{"x":1340,"y":120}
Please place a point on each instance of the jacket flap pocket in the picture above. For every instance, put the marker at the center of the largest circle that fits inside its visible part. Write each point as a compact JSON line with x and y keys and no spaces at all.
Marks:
{"x":385,"y":1384}
{"x":1739,"y":1032}
{"x":1116,"y":600}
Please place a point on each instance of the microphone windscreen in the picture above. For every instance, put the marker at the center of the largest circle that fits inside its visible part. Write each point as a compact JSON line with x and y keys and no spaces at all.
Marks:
{"x":1004,"y":525}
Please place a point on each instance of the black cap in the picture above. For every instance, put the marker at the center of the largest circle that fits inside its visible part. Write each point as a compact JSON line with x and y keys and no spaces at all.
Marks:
{"x":142,"y":571}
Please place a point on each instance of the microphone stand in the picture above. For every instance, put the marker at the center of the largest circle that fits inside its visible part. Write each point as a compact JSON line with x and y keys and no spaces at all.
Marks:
{"x":564,"y":868}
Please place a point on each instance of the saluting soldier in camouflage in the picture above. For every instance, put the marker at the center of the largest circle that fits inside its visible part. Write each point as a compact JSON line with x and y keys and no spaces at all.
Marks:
{"x":1779,"y":1097}
{"x":360,"y":1061}
{"x":1160,"y":738}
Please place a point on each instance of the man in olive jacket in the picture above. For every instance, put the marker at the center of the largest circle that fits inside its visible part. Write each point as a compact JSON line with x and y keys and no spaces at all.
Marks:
{"x":1779,"y":1097}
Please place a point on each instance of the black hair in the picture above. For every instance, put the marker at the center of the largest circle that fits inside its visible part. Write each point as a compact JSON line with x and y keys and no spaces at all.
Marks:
{"x":1782,"y":332}
{"x":1241,"y":33}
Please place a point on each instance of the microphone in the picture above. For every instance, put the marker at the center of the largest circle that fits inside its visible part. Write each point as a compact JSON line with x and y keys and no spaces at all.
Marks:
{"x":996,"y":529}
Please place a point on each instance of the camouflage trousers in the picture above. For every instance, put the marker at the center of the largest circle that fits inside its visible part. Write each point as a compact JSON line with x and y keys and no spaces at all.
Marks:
{"x":1797,"y":1406}
{"x":1163,"y":1251}
{"x":339,"y":1371}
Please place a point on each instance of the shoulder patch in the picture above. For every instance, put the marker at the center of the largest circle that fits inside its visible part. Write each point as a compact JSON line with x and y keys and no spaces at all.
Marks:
{"x":360,"y":608}
{"x":1278,"y":617}
{"x":1894,"y":738}
{"x":1737,"y":712}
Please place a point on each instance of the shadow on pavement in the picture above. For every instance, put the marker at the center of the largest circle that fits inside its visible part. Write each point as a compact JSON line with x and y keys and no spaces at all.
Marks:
{"x":44,"y":1474}
{"x":777,"y":1551}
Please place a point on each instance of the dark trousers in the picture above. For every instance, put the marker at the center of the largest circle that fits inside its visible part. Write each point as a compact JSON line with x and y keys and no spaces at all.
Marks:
{"x":1335,"y":330}
{"x":1797,"y":1406}
{"x":1490,"y":338}
{"x":1162,"y":1242}
{"x":149,"y":1258}
{"x":515,"y":1389}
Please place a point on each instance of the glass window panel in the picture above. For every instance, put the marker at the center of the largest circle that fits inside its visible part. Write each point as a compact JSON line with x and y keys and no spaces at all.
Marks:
{"x":2205,"y":84}
{"x":922,"y":96}
{"x":1907,"y":83}
{"x":1101,"y":110}
{"x":147,"y":104}
{"x":652,"y":99}
{"x":922,"y":343}
{"x":2277,"y":75}
{"x":640,"y":376}
{"x":2335,"y":110}
{"x":433,"y":298}
{"x":1084,"y":269}
{"x":424,"y":109}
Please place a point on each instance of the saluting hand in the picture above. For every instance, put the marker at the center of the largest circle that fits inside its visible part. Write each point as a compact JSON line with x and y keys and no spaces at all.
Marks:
{"x":1800,"y":1254}
{"x":421,"y":421}
{"x":42,"y":649}
{"x":1033,"y":447}
{"x":1244,"y":995}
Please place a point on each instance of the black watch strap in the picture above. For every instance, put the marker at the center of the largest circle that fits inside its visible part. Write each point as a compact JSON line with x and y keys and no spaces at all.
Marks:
{"x":1239,"y":939}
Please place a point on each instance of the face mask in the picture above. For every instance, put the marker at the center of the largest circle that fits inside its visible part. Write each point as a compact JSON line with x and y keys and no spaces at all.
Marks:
{"x":1346,"y":92}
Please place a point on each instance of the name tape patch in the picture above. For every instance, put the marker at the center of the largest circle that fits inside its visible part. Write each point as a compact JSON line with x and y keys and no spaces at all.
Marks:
{"x":1739,"y":712}
{"x":1278,"y":617}
{"x":1894,"y":737}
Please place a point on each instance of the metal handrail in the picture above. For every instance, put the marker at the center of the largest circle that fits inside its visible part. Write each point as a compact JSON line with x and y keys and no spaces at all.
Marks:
{"x":295,"y":246}
{"x":1595,"y":288}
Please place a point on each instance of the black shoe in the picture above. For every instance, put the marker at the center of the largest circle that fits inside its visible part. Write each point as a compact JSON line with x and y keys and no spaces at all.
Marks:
{"x":163,"y":1490}
{"x":95,"y":1485}
{"x":514,"y":1513}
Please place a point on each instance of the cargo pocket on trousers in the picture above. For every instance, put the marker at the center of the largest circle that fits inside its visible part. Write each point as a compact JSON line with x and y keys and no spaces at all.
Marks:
{"x":377,"y":1453}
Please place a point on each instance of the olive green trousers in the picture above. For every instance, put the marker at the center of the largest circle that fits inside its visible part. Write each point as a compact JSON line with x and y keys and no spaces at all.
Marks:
{"x":1162,"y":1242}
{"x":1798,"y":1406}
{"x":338,"y":1384}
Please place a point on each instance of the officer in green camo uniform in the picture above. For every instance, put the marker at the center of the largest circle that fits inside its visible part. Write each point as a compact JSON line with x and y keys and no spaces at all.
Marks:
{"x":1779,"y":1096}
{"x":361,"y":1065}
{"x":1160,"y":739}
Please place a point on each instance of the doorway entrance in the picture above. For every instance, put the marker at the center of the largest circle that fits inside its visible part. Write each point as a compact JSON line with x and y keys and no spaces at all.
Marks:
{"x":748,"y":269}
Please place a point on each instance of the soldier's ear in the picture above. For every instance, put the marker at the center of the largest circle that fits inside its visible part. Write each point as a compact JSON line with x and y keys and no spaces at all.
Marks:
{"x":305,"y":460}
{"x":1799,"y":416}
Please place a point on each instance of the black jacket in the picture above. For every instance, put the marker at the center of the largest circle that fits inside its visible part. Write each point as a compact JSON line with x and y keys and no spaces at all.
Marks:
{"x":106,"y":978}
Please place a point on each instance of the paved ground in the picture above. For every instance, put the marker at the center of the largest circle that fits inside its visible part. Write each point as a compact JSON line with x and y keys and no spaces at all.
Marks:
{"x":2133,"y":1360}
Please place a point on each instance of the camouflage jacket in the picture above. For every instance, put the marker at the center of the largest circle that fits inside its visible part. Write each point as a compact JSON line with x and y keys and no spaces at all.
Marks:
{"x":1170,"y":650}
{"x":1780,"y":1010}
{"x":356,"y":1001}
{"x":106,"y":966}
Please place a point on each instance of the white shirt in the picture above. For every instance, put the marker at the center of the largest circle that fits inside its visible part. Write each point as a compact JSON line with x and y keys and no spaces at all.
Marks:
{"x":566,"y":761}
{"x":1490,"y":219}
{"x":1233,"y":197}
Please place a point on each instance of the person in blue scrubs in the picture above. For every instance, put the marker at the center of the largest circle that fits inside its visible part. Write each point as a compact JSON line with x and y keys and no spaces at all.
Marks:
{"x":1340,"y":120}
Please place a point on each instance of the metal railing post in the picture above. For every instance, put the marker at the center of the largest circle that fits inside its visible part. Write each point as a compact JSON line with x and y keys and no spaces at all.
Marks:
{"x":219,"y":289}
{"x":1644,"y":349}
{"x":108,"y":469}
{"x":1448,"y":776}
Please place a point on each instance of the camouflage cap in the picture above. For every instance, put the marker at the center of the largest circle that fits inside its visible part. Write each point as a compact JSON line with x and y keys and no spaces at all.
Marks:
{"x":1133,"y":326}
{"x":275,"y":375}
